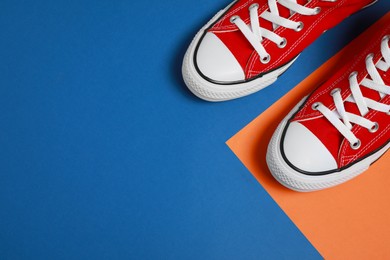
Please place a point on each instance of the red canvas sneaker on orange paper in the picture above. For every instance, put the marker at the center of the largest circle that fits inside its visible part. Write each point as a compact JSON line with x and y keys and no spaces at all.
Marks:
{"x":248,"y":45}
{"x":342,"y":127}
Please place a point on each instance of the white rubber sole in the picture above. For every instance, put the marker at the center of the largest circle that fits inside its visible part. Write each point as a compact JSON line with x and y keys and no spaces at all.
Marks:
{"x":297,"y":181}
{"x":209,"y":91}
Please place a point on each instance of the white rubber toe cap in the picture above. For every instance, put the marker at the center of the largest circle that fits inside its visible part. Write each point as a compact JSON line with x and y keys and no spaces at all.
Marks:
{"x":305,"y":151}
{"x":216,"y":62}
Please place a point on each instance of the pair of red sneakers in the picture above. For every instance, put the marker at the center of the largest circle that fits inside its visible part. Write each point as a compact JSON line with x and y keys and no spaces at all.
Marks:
{"x":331,"y":136}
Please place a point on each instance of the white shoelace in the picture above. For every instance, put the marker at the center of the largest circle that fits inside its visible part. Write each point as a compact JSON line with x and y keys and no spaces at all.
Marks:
{"x":343,"y":120}
{"x":255,"y":33}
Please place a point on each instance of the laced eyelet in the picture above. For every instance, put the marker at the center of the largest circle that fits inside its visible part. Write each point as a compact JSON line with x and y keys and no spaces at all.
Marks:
{"x":266,"y":59}
{"x":255,"y":5}
{"x":283,"y":43}
{"x":299,"y":27}
{"x":374,"y":128}
{"x":386,"y":38}
{"x":369,"y":56}
{"x":317,"y":10}
{"x":353,"y":74}
{"x":334,"y":91}
{"x":316,"y":105}
{"x":233,"y":18}
{"x":356,"y":145}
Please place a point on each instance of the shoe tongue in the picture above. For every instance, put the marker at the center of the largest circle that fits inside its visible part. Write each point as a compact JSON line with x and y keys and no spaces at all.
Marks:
{"x":369,"y":93}
{"x":302,"y":2}
{"x":283,"y":12}
{"x":385,"y":76}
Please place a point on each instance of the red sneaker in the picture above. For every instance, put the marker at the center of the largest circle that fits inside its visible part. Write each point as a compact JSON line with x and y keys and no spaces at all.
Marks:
{"x":246,"y":46}
{"x":342,"y":127}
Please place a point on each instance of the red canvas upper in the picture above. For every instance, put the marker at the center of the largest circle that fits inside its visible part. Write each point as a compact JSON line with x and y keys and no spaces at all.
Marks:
{"x":331,"y":14}
{"x":324,"y":130}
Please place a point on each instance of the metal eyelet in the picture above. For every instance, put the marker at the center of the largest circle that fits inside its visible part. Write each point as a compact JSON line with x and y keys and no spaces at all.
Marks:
{"x":266,"y":59}
{"x":356,"y":145}
{"x":334,"y":91}
{"x":233,"y":18}
{"x":374,"y":128}
{"x":317,"y":10}
{"x":353,"y":74}
{"x":299,"y":27}
{"x":255,"y":5}
{"x":283,"y":43}
{"x":316,"y":105}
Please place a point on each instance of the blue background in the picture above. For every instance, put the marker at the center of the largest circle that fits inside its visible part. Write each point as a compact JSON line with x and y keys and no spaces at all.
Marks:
{"x":104,"y":154}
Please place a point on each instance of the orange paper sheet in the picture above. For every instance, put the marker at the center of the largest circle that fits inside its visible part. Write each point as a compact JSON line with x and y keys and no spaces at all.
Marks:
{"x":350,"y":221}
